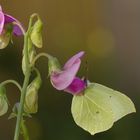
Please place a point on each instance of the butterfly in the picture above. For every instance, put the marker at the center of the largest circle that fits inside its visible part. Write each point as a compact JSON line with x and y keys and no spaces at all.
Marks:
{"x":99,"y":107}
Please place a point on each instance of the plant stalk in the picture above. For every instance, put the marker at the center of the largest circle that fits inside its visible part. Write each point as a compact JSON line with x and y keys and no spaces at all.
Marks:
{"x":24,"y":130}
{"x":23,"y":91}
{"x":26,"y":80}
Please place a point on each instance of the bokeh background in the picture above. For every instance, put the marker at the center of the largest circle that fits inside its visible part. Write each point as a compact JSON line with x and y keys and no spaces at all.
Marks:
{"x":108,"y":31}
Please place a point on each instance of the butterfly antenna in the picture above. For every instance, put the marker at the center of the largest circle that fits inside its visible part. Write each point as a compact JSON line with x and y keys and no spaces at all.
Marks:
{"x":85,"y":78}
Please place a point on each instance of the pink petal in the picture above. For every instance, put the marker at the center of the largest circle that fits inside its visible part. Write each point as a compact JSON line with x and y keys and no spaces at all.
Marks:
{"x":0,"y":8}
{"x":2,"y":18}
{"x":63,"y":79}
{"x":72,"y":60}
{"x":76,"y":86}
{"x":10,"y":19}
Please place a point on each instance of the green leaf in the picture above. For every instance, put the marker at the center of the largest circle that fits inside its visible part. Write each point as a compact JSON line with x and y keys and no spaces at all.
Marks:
{"x":99,"y":107}
{"x":36,"y":34}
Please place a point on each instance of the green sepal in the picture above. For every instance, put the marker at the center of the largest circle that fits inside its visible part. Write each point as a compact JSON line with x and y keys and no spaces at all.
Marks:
{"x":53,"y":65}
{"x":12,"y":115}
{"x":15,"y":110}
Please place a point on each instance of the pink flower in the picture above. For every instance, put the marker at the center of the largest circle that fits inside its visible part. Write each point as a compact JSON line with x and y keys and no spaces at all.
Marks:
{"x":65,"y":79}
{"x":76,"y":86}
{"x":6,"y":19}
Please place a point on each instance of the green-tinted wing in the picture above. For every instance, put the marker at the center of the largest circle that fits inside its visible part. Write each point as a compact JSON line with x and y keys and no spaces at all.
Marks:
{"x":100,"y":107}
{"x":90,"y":116}
{"x":117,"y":102}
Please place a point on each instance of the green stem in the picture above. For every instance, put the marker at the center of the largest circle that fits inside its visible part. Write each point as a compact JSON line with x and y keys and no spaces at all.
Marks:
{"x":22,"y":100}
{"x":40,"y":55}
{"x":24,"y":130}
{"x":25,"y":83}
{"x":11,"y":81}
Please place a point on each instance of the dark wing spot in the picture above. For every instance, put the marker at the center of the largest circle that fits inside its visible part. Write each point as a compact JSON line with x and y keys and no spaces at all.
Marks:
{"x":97,"y":112}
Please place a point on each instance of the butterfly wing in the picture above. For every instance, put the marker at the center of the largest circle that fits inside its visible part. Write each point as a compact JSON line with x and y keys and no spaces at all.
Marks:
{"x":99,"y":108}
{"x":91,"y":116}
{"x":119,"y":104}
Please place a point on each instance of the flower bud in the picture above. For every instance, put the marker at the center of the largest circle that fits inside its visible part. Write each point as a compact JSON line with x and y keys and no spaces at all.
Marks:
{"x":31,"y":99}
{"x":36,"y":35}
{"x":4,"y":40}
{"x":3,"y":101}
{"x":54,"y":65}
{"x":31,"y":55}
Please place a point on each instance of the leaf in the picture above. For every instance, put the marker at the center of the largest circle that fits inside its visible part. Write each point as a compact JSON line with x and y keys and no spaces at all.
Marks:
{"x":99,"y":108}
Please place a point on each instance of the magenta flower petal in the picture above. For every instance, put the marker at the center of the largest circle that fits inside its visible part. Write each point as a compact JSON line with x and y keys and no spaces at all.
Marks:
{"x":2,"y":18}
{"x":76,"y":86}
{"x":0,"y":8}
{"x":10,"y":19}
{"x":5,"y":19}
{"x":61,"y":80}
{"x":72,"y":60}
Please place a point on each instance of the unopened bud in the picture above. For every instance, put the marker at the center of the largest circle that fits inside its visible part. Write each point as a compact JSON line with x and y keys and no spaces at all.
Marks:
{"x":3,"y":101}
{"x":36,"y":34}
{"x":31,"y":55}
{"x":4,"y":40}
{"x":31,"y":99}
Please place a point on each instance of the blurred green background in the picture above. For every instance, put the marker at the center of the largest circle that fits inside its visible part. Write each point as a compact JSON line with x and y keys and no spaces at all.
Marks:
{"x":108,"y":31}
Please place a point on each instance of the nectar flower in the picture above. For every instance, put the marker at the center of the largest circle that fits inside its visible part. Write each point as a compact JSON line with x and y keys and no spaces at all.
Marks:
{"x":6,"y":19}
{"x":65,"y":78}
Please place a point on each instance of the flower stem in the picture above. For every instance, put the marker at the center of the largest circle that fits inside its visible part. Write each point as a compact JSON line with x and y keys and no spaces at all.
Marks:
{"x":22,"y":99}
{"x":11,"y":81}
{"x":25,"y":83}
{"x":24,"y":130}
{"x":40,"y":55}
